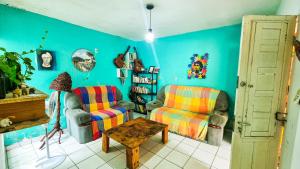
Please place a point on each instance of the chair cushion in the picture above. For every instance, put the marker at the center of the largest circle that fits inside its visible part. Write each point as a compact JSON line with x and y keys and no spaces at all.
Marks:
{"x":194,"y":99}
{"x":194,"y":125}
{"x":97,"y":97}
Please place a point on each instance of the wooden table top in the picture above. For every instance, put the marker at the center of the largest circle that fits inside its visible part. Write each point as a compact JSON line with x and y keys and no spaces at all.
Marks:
{"x":31,"y":97}
{"x":135,"y":132}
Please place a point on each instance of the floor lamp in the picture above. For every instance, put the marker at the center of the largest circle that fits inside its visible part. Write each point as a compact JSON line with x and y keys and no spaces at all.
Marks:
{"x":62,"y":83}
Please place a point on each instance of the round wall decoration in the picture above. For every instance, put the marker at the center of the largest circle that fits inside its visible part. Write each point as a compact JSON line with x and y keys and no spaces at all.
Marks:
{"x":83,"y":60}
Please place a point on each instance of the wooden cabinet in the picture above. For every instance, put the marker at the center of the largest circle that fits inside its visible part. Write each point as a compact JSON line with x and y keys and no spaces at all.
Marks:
{"x":26,"y":111}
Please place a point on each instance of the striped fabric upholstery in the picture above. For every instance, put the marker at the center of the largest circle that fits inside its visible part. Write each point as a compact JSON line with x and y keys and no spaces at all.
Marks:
{"x":107,"y":118}
{"x":100,"y":102}
{"x":97,"y":97}
{"x":193,"y":125}
{"x":194,"y":99}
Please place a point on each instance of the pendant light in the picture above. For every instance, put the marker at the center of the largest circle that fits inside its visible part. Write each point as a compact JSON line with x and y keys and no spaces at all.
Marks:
{"x":149,"y":37}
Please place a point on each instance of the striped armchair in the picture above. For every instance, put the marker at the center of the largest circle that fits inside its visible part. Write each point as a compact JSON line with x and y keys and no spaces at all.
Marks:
{"x":91,"y":110}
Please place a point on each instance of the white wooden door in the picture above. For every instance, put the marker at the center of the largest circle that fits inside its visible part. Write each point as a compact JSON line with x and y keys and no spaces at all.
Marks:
{"x":265,"y":57}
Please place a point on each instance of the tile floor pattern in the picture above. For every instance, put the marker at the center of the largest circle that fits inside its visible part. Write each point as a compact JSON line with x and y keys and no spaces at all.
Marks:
{"x":179,"y":152}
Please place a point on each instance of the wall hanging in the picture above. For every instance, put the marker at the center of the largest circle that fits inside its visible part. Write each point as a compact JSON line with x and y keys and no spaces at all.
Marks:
{"x":83,"y":60}
{"x":138,"y":65}
{"x":46,"y":60}
{"x":198,"y":67}
{"x":121,"y":65}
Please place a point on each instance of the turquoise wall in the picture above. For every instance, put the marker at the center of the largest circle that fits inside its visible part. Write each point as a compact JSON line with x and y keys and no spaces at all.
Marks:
{"x":173,"y":54}
{"x":21,"y":30}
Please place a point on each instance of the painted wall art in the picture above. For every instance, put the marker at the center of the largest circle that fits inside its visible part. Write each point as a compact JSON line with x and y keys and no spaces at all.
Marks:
{"x":83,"y":60}
{"x":46,"y":60}
{"x":198,"y":67}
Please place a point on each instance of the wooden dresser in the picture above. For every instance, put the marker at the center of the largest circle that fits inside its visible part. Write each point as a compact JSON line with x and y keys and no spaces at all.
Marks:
{"x":28,"y":111}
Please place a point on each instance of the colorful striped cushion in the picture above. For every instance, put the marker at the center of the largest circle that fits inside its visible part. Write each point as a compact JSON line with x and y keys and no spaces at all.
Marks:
{"x":186,"y":123}
{"x":97,"y":97}
{"x":105,"y":119}
{"x":194,"y":99}
{"x":100,"y":102}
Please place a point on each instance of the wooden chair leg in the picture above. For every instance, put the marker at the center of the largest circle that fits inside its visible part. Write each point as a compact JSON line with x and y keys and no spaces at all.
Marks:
{"x":165,"y":135}
{"x":105,"y":143}
{"x":132,"y":157}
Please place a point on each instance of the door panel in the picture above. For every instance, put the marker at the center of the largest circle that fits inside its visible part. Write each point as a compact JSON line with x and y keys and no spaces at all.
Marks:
{"x":264,"y":81}
{"x":266,"y":47}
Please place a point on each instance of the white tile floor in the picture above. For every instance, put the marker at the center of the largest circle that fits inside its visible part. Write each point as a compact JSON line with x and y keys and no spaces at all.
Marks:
{"x":179,"y":152}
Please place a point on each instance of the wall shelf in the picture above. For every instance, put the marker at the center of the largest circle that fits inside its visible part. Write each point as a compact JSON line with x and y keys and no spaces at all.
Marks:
{"x":151,"y":84}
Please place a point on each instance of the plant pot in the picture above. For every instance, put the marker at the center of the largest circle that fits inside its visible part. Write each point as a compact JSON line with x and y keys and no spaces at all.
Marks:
{"x":10,"y":85}
{"x":2,"y":85}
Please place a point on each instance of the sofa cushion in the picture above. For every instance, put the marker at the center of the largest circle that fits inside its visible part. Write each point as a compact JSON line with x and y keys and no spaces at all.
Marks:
{"x":194,"y":125}
{"x":97,"y":97}
{"x":107,"y":118}
{"x":189,"y":98}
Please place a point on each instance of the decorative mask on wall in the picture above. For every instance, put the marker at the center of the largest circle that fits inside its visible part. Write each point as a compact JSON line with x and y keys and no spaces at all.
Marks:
{"x":83,"y":60}
{"x":198,"y":67}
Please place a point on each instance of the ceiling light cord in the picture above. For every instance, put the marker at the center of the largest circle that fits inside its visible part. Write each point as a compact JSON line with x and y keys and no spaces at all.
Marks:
{"x":150,"y":24}
{"x":149,"y":36}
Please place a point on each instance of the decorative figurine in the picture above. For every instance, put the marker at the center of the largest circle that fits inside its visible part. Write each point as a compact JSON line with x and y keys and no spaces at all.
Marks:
{"x":6,"y":122}
{"x":17,"y":92}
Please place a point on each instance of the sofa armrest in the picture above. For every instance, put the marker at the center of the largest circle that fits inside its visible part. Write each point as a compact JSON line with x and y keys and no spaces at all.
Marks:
{"x":218,"y":119}
{"x":78,"y":116}
{"x":126,"y":104}
{"x":153,"y":105}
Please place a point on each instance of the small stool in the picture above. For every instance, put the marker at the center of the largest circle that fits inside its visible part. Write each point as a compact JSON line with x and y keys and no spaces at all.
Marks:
{"x":215,"y":135}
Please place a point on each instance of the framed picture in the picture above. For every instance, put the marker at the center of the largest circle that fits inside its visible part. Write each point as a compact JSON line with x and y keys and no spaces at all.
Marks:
{"x":151,"y":69}
{"x":46,"y":60}
{"x":83,"y":60}
{"x":156,"y":70}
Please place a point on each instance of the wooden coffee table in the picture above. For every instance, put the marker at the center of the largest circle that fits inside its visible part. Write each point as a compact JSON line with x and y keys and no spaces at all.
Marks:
{"x":132,"y":134}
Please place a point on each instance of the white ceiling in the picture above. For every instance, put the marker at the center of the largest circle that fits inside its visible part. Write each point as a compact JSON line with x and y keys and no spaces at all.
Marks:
{"x":128,"y":18}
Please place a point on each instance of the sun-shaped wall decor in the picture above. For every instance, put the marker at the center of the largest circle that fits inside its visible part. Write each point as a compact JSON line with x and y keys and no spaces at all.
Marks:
{"x":198,"y":67}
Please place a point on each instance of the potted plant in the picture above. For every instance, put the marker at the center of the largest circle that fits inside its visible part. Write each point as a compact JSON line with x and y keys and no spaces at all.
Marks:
{"x":10,"y":67}
{"x":11,"y":74}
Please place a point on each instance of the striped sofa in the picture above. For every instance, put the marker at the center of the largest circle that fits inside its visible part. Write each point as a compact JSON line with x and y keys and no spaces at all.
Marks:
{"x":191,"y":111}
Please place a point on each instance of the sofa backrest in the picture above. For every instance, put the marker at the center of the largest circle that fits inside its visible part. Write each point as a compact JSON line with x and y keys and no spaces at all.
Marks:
{"x":97,"y":97}
{"x":190,"y":98}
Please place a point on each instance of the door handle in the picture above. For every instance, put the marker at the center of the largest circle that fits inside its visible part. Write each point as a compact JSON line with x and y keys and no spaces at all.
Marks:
{"x":250,"y":85}
{"x":243,"y":83}
{"x":241,"y":125}
{"x":244,"y":123}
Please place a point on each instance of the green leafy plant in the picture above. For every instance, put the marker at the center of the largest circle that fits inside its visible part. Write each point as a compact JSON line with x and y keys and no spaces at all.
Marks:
{"x":10,"y":63}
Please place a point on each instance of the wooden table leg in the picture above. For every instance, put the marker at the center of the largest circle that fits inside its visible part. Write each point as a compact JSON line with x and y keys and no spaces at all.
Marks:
{"x":105,"y":143}
{"x":132,"y":157}
{"x":165,"y":135}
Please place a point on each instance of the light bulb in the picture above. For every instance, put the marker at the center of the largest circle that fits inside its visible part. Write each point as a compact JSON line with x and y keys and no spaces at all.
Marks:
{"x":149,"y":37}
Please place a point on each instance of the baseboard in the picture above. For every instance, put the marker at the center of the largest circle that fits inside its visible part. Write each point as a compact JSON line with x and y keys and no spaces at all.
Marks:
{"x":3,"y":159}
